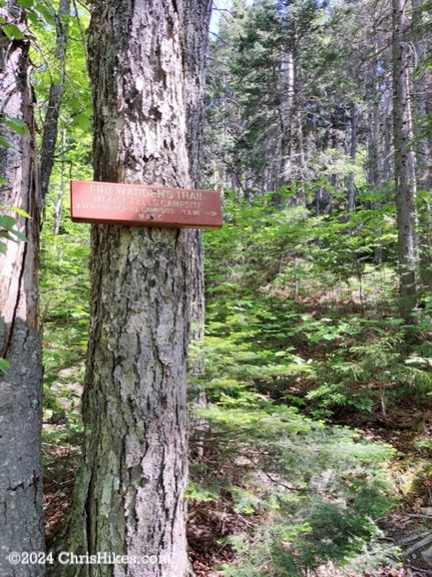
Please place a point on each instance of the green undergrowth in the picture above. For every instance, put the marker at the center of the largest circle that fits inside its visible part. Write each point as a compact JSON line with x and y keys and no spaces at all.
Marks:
{"x":301,"y":328}
{"x":65,"y":314}
{"x":315,"y":491}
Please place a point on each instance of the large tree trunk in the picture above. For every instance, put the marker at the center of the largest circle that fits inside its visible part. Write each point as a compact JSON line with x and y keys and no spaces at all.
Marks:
{"x":404,"y":163}
{"x":21,"y":518}
{"x":129,"y":493}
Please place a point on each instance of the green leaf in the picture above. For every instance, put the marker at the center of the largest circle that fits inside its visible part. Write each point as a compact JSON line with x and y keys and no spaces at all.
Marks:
{"x":19,"y":211}
{"x":25,"y":3}
{"x":4,"y":364}
{"x":75,"y":103}
{"x":2,"y":181}
{"x":3,"y":247}
{"x":6,"y":143}
{"x":47,"y":13}
{"x":13,"y":31}
{"x":32,"y":16}
{"x":7,"y":221}
{"x":19,"y":235}
{"x":83,"y":121}
{"x":17,"y":125}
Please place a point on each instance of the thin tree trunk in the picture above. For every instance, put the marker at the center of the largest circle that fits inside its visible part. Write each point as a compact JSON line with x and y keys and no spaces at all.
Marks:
{"x":353,"y":151}
{"x":404,"y":164}
{"x":299,"y":157}
{"x":58,"y":208}
{"x":374,"y":145}
{"x":286,"y":116}
{"x":21,"y":516}
{"x":50,"y":126}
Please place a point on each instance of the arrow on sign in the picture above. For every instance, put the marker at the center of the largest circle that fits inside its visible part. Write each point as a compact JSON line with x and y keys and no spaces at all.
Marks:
{"x":212,"y":213}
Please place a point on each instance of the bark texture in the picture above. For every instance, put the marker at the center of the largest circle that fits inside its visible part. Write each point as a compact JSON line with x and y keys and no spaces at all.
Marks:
{"x":404,"y":161}
{"x":196,"y":25}
{"x":50,"y":127}
{"x":21,"y":517}
{"x":129,"y":494}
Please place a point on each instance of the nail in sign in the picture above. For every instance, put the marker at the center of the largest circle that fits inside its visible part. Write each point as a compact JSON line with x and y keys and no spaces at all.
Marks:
{"x":143,"y":205}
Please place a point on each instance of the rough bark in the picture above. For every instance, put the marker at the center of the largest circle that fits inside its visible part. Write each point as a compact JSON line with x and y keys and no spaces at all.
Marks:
{"x":404,"y":162}
{"x":422,"y":90}
{"x":196,"y":26}
{"x":50,"y":127}
{"x":129,"y":494}
{"x":422,"y":86}
{"x":21,"y":517}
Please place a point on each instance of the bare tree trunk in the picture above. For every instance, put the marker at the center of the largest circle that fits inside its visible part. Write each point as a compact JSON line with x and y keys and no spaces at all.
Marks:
{"x":58,"y":207}
{"x":299,"y":154}
{"x":286,"y":115}
{"x":197,"y":21}
{"x":404,"y":164}
{"x":21,"y":517}
{"x":422,"y":84}
{"x":353,"y":151}
{"x":129,"y":493}
{"x":374,"y":142}
{"x":423,"y":149}
{"x":50,"y":127}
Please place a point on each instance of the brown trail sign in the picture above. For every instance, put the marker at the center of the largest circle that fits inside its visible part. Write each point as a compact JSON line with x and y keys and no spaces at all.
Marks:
{"x":144,"y":205}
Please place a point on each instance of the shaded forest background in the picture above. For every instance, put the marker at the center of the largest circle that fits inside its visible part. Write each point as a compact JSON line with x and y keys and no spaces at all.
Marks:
{"x":310,"y":429}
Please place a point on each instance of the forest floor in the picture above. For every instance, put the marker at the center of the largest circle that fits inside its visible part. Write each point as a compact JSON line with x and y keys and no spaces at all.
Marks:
{"x":409,"y":524}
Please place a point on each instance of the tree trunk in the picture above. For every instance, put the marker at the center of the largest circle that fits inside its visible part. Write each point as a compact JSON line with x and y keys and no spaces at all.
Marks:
{"x":197,"y":21}
{"x":286,"y":116}
{"x":21,"y":517}
{"x":50,"y":127}
{"x":404,"y":163}
{"x":423,"y":149}
{"x":58,"y":207}
{"x":351,"y":198}
{"x":129,"y":494}
{"x":196,"y":26}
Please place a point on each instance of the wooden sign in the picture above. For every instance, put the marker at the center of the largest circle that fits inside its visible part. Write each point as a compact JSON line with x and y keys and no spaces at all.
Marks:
{"x":143,"y":205}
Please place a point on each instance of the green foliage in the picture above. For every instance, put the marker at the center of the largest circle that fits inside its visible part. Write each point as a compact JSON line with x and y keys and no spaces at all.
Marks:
{"x":8,"y":227}
{"x":287,"y":328}
{"x":65,"y":312}
{"x":319,"y":490}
